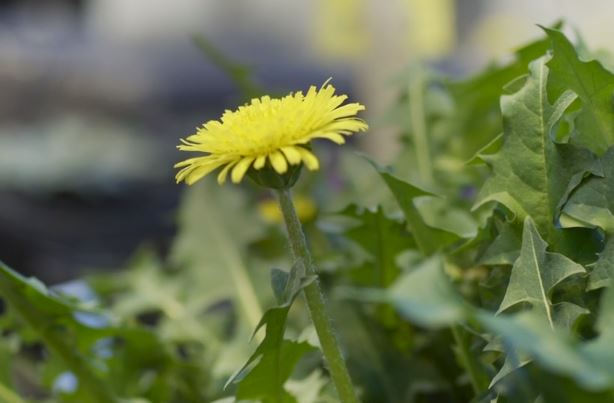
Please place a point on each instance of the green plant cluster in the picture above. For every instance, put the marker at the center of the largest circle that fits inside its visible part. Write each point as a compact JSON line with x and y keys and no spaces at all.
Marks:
{"x":476,"y":269}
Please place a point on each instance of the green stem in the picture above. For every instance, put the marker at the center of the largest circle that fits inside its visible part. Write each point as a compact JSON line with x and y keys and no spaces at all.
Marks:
{"x":316,"y":303}
{"x":418,"y":127}
{"x":58,"y":345}
{"x":467,"y":361}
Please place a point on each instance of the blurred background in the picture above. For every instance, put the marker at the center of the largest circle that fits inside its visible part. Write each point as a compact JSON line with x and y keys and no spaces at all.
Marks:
{"x":94,"y":95}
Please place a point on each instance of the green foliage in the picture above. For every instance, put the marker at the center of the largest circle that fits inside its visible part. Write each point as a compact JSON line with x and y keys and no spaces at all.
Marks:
{"x":488,"y":281}
{"x":382,"y":238}
{"x":446,"y":225}
{"x":534,"y":185}
{"x":535,"y":274}
{"x":593,"y":84}
{"x":426,"y":296}
{"x":266,"y":371}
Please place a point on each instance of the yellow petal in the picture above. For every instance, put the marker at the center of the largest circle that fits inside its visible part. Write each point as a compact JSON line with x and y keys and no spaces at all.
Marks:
{"x":293,"y":156}
{"x":346,"y":110}
{"x":346,"y":125}
{"x":239,"y":170}
{"x":279,"y":162}
{"x":332,"y":136}
{"x":310,"y":160}
{"x":221,"y":178}
{"x":260,"y":161}
{"x":187,"y":162}
{"x":199,"y":171}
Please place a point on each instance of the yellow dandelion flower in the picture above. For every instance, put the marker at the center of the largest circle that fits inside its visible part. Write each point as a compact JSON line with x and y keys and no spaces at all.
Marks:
{"x":269,"y":131}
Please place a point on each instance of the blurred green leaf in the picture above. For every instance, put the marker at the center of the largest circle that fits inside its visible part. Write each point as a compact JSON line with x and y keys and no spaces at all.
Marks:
{"x":308,"y":389}
{"x":382,"y":237}
{"x":55,"y":322}
{"x":426,"y":296}
{"x":240,"y":75}
{"x":216,"y":226}
{"x":591,"y":363}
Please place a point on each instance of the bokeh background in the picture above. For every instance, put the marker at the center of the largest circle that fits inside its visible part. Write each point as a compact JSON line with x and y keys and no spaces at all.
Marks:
{"x":94,"y":95}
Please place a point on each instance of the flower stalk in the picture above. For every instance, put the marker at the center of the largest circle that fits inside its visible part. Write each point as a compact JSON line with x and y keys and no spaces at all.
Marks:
{"x":315,"y":302}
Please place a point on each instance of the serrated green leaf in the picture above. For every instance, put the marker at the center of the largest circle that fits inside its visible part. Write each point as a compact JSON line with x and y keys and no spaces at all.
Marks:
{"x":534,"y":184}
{"x":475,"y":119}
{"x":426,"y":214}
{"x":264,"y":374}
{"x":535,"y":274}
{"x":589,"y":363}
{"x":593,"y":84}
{"x":592,"y":203}
{"x":504,"y":249}
{"x":603,"y":270}
{"x":528,"y":333}
{"x":382,"y":237}
{"x":428,"y":239}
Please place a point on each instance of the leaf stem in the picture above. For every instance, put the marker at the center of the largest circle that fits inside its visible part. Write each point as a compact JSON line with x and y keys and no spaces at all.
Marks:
{"x":315,"y":302}
{"x":95,"y":389}
{"x":467,"y":361}
{"x":418,"y":126}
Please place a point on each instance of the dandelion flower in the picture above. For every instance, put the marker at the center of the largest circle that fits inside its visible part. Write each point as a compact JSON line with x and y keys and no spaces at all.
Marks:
{"x":273,"y":132}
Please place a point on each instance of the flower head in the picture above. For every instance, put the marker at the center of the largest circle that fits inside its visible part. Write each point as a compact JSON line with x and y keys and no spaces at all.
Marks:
{"x":269,"y":131}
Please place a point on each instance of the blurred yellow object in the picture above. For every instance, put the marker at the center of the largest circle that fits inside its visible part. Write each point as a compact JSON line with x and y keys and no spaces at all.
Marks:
{"x":305,"y":209}
{"x":431,"y":27}
{"x":340,"y":29}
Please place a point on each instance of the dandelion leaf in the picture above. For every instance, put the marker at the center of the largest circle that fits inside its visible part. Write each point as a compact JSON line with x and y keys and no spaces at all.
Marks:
{"x":265,"y":373}
{"x":534,"y":276}
{"x":603,"y":269}
{"x":433,"y":223}
{"x":383,"y":238}
{"x":592,"y":203}
{"x":594,"y":85}
{"x":534,"y":184}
